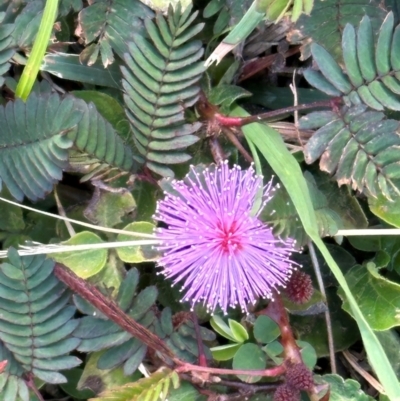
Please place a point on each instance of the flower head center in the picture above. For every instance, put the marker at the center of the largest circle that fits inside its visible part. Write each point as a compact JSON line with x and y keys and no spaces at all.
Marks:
{"x":230,"y":239}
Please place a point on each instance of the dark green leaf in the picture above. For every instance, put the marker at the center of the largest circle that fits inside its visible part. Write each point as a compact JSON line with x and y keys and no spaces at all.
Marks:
{"x":266,"y":330}
{"x":250,"y":357}
{"x":160,"y":81}
{"x":326,"y":22}
{"x":377,"y":297}
{"x":31,"y":159}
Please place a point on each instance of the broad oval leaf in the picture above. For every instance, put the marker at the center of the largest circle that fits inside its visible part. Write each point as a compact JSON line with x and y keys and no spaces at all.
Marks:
{"x":249,"y":357}
{"x":83,"y":263}
{"x":140,"y":253}
{"x":218,"y":324}
{"x":378,"y":298}
{"x":266,"y":330}
{"x":225,"y":352}
{"x":238,"y":331}
{"x":343,"y":390}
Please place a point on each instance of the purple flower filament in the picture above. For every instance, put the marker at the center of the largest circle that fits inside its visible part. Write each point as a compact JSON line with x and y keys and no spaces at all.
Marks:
{"x":221,"y":253}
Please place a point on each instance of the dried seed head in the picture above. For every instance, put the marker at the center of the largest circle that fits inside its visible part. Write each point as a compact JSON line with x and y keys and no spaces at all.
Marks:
{"x":286,"y":393}
{"x":299,"y":288}
{"x":299,"y":377}
{"x":180,"y":318}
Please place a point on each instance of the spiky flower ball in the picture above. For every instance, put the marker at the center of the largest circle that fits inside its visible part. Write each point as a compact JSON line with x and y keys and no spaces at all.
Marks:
{"x":299,"y":377}
{"x":215,"y":244}
{"x":286,"y":393}
{"x":299,"y":288}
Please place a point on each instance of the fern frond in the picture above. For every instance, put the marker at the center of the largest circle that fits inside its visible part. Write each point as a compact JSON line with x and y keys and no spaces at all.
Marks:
{"x":33,"y":144}
{"x":12,"y":385}
{"x":97,"y":333}
{"x":111,"y":24}
{"x":7,"y":49}
{"x":96,"y":137}
{"x":122,"y":349}
{"x":182,"y":340}
{"x":328,"y":17}
{"x":160,"y":81}
{"x":361,"y":147}
{"x":65,"y":6}
{"x":35,"y":321}
{"x":27,"y":22}
{"x":372,"y":69}
{"x":281,"y":214}
{"x":153,"y":388}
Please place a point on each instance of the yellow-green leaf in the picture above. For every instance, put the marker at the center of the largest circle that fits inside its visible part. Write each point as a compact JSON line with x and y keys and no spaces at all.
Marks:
{"x":137,"y":254}
{"x":83,"y":263}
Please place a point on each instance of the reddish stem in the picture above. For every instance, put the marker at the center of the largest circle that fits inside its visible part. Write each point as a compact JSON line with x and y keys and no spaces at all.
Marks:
{"x":31,"y":384}
{"x":112,"y":311}
{"x":202,"y":357}
{"x":277,"y":312}
{"x":240,"y":121}
{"x":253,"y":67}
{"x":272,"y":372}
{"x":3,"y":365}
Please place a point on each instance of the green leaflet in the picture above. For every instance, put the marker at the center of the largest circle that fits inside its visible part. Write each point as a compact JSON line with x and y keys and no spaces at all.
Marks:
{"x":360,"y":146}
{"x":328,"y":18}
{"x":271,"y":145}
{"x":68,"y":66}
{"x":382,"y":51}
{"x":6,"y":43}
{"x":371,"y":69}
{"x":97,"y":139}
{"x":35,"y":329}
{"x":160,"y":81}
{"x":281,"y":214}
{"x":33,"y":147}
{"x":153,"y":388}
{"x":111,"y":24}
{"x":343,"y":390}
{"x":365,"y":50}
{"x":65,"y":6}
{"x":121,"y":348}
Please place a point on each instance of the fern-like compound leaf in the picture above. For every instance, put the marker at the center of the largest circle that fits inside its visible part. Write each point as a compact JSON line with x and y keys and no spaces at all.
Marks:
{"x":95,"y":137}
{"x":12,"y":385}
{"x":361,"y":147}
{"x":372,"y":70}
{"x":160,"y":81}
{"x":281,"y":214}
{"x":328,"y":17}
{"x":34,"y":145}
{"x":35,"y":323}
{"x":181,"y":336}
{"x":97,"y":333}
{"x":7,"y":49}
{"x":107,"y":26}
{"x":65,"y":6}
{"x":152,"y":388}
